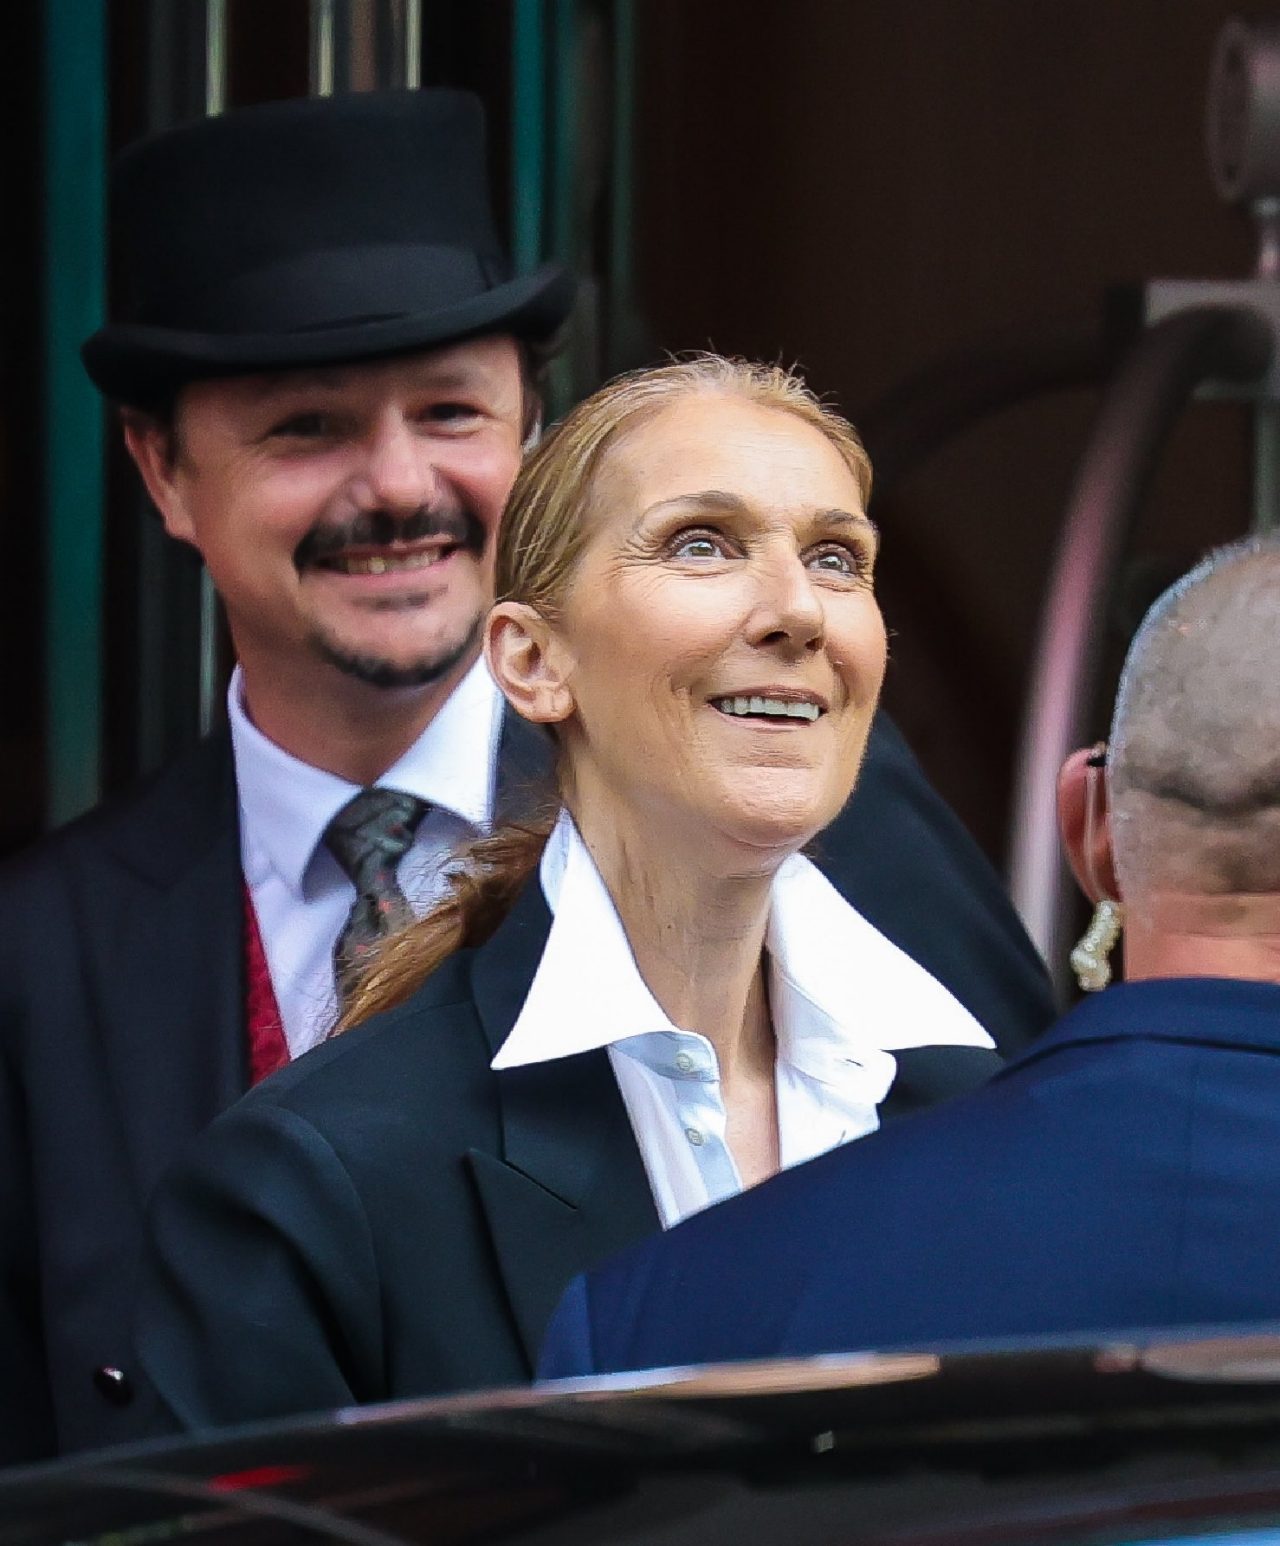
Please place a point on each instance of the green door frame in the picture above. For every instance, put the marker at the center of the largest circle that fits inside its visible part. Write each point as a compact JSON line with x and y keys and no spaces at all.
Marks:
{"x":74,"y":65}
{"x":552,"y":218}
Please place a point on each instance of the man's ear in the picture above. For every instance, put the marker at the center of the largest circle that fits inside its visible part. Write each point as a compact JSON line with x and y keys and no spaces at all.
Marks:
{"x":1087,"y":843}
{"x":153,"y":447}
{"x":529,"y":663}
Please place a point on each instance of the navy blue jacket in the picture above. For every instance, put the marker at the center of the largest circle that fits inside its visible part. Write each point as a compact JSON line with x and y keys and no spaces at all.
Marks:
{"x":1124,"y":1172}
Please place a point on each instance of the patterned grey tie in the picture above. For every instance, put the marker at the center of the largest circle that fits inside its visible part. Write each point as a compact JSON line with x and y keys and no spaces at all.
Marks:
{"x":368,"y":837}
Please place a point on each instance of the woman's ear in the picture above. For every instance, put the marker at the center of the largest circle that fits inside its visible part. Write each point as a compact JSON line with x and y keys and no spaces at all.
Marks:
{"x":1084,"y":821}
{"x":529,"y":663}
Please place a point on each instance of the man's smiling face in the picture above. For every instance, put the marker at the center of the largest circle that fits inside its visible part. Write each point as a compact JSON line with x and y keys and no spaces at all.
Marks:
{"x":346,"y":514}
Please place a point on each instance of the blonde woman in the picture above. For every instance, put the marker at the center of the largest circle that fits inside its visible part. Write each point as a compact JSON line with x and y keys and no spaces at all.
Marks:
{"x":622,"y":1015}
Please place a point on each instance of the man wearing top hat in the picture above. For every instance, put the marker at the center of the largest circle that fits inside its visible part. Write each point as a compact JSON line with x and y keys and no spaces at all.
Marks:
{"x":325,"y":380}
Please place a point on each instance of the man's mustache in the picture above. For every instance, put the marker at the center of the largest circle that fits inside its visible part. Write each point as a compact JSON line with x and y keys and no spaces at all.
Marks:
{"x":380,"y":528}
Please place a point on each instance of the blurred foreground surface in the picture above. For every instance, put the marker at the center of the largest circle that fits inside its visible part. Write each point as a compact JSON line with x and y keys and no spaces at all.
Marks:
{"x":1144,"y":1439}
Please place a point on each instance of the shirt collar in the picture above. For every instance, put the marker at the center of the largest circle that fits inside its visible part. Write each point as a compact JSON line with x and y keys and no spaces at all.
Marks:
{"x":840,"y":989}
{"x":840,"y":986}
{"x":586,"y":964}
{"x":286,"y":804}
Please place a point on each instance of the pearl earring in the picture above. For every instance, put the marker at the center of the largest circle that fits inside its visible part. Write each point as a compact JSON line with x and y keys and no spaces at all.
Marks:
{"x":1089,"y":960}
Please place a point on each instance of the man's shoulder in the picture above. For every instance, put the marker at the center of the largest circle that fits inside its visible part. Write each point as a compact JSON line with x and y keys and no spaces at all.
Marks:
{"x":976,"y":1181}
{"x":996,"y":1152}
{"x":180,"y":809}
{"x":865,"y":1211}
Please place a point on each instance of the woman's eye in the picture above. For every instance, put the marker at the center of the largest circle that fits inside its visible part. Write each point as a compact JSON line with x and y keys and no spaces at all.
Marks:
{"x":839,"y":560}
{"x":698,"y":544}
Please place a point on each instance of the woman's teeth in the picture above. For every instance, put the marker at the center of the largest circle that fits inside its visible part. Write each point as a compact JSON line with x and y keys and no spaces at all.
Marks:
{"x":774,"y":707}
{"x":399,"y":563}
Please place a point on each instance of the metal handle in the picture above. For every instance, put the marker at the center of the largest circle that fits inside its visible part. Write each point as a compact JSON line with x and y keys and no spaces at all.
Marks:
{"x":1138,"y":411}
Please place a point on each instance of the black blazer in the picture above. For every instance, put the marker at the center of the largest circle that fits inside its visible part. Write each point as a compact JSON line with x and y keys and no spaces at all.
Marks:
{"x":389,"y":1217}
{"x":122,"y":1035}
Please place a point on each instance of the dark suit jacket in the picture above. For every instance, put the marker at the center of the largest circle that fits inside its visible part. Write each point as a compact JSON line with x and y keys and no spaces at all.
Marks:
{"x":1121,"y":1174}
{"x":389,"y":1217}
{"x":121,"y":1036}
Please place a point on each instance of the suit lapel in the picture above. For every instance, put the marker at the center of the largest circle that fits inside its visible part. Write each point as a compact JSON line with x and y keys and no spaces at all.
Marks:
{"x":162,"y":898}
{"x":569,"y":1187}
{"x":927,"y":1075}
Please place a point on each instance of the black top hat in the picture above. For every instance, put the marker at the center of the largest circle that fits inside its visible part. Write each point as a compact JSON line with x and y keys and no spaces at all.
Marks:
{"x":310,"y":232}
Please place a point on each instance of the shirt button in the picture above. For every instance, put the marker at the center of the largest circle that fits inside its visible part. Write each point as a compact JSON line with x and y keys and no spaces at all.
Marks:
{"x":695,"y":1136}
{"x":685,"y":1062}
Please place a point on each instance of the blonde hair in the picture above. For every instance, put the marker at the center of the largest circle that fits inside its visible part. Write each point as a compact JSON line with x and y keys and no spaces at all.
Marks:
{"x":544,"y":528}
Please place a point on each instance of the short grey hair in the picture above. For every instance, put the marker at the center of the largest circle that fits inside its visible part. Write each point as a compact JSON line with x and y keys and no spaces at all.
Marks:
{"x":1194,"y":761}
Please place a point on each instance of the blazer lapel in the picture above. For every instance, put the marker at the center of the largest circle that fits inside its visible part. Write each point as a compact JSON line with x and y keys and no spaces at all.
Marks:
{"x":164,"y":925}
{"x":569,"y":1187}
{"x":927,"y":1075}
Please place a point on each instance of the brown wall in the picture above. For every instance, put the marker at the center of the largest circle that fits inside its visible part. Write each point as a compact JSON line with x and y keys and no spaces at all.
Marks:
{"x":864,"y":184}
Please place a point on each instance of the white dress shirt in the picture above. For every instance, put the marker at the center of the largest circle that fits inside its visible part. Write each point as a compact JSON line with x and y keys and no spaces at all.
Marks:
{"x":299,"y":890}
{"x":843,"y":999}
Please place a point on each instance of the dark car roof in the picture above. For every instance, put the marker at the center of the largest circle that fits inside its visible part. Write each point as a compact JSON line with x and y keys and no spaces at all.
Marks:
{"x":1138,"y":1438}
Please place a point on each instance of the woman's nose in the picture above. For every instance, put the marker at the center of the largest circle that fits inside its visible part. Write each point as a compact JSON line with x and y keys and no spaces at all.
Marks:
{"x":400,"y":468}
{"x":789,"y":609}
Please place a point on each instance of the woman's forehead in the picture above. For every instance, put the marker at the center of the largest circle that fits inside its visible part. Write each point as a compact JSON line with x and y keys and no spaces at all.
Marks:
{"x":706,"y":440}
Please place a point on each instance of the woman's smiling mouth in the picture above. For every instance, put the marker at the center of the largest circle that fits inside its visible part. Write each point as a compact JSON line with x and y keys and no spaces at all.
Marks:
{"x":804,"y":707}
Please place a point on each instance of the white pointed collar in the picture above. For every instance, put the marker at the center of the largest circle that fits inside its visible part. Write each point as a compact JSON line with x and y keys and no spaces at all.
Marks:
{"x":840,"y":990}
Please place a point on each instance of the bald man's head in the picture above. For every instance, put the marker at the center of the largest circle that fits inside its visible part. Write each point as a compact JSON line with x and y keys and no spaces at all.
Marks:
{"x":1194,"y":765}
